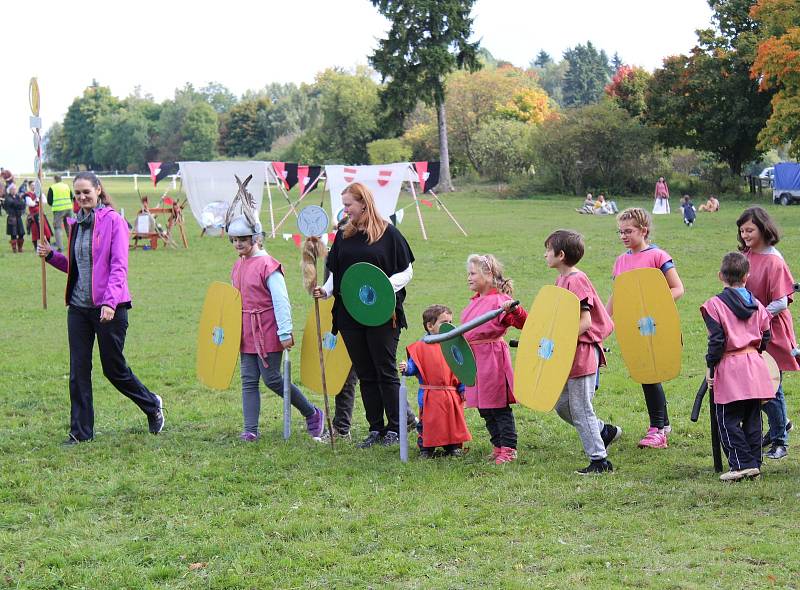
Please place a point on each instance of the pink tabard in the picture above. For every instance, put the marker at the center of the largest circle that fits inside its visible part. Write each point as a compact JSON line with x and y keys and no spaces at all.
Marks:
{"x":494,"y":385}
{"x":740,"y":374}
{"x":650,"y":257}
{"x":770,"y":279}
{"x":590,"y":342}
{"x":259,"y":327}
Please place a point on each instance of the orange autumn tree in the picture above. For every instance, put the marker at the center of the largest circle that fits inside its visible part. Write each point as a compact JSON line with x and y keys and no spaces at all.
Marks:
{"x":777,"y":67}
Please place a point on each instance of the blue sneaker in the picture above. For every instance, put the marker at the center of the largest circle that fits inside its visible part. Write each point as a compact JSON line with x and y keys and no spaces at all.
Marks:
{"x":155,"y":421}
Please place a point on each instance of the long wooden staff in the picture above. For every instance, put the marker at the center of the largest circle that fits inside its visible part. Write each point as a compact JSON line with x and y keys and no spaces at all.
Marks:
{"x":36,"y":125}
{"x":312,"y":250}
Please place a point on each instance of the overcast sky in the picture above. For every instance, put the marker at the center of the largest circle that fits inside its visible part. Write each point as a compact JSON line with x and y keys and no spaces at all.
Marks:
{"x":244,"y":45}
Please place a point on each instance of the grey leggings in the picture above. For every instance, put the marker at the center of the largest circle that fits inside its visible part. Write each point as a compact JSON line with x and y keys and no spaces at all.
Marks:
{"x":575,"y":407}
{"x":253,"y":370}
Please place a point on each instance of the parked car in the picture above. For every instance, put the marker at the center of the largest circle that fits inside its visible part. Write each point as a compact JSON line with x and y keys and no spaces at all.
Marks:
{"x":786,"y":183}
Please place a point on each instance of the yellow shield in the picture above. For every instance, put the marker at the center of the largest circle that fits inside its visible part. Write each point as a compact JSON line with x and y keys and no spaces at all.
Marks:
{"x":334,"y":353}
{"x":546,"y":348}
{"x":219,"y":335}
{"x":647,"y":325}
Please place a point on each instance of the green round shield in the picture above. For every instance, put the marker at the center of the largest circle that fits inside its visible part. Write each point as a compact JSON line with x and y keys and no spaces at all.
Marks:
{"x":367,"y":294}
{"x":459,"y":356}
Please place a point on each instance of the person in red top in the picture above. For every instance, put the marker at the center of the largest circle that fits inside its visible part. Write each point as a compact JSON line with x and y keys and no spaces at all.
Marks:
{"x":771,"y":282}
{"x":493,"y":392}
{"x":738,"y":332}
{"x":32,"y":202}
{"x":563,"y":250}
{"x":441,"y":403}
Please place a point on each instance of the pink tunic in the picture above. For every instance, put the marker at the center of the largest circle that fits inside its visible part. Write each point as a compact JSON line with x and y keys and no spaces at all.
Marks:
{"x":259,"y":326}
{"x":586,"y":360}
{"x":662,"y":190}
{"x":741,"y":373}
{"x":494,"y":385}
{"x":770,"y":279}
{"x":650,"y":257}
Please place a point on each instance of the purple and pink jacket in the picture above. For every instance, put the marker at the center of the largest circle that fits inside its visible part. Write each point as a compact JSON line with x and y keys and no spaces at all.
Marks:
{"x":110,"y":239}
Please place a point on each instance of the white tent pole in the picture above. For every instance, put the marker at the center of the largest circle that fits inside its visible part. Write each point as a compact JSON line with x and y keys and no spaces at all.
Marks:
{"x":416,"y":203}
{"x":269,"y":196}
{"x":446,"y":210}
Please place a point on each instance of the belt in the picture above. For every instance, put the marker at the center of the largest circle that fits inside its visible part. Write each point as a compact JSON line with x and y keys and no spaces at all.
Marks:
{"x":485,"y":341}
{"x":745,"y":350}
{"x":438,"y":387}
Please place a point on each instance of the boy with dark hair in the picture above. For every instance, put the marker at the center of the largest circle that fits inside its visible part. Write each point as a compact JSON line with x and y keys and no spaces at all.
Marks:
{"x":440,"y":397}
{"x":563,"y":250}
{"x":738,"y":332}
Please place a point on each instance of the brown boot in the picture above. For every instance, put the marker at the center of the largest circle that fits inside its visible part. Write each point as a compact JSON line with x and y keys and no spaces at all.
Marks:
{"x":13,"y":245}
{"x":19,"y":244}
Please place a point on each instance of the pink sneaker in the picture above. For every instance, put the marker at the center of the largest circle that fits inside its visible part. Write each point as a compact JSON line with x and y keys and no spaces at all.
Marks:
{"x":506,"y":455}
{"x":655,"y":439}
{"x":495,"y":453}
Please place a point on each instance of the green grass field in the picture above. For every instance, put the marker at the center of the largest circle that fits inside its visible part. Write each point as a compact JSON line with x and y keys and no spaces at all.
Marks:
{"x":195,"y":508}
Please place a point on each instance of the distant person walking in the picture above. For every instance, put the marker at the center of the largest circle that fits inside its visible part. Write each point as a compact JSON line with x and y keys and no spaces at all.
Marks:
{"x":661,"y":195}
{"x":14,"y":204}
{"x":60,"y":198}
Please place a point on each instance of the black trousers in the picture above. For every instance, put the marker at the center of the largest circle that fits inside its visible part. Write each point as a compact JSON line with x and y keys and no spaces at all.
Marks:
{"x":739,"y":426}
{"x":373,"y":351}
{"x":83,"y":324}
{"x":344,"y":402}
{"x":501,"y":426}
{"x":656,"y":402}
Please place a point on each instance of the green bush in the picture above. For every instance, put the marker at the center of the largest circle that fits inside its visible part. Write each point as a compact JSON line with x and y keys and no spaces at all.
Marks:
{"x":502,"y":148}
{"x":388,"y":151}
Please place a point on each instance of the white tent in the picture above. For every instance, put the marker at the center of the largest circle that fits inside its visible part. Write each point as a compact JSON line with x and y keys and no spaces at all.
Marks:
{"x":208,"y":182}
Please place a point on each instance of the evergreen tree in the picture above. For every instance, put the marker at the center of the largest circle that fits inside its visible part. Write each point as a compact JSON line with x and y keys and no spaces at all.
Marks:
{"x":587,"y":76}
{"x":542,"y":60}
{"x":428,"y":39}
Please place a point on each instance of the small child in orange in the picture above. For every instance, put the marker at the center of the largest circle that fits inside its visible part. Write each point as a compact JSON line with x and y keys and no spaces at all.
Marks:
{"x":440,"y":397}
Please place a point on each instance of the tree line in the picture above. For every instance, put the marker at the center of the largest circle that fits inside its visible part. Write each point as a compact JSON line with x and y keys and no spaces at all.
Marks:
{"x":584,"y":120}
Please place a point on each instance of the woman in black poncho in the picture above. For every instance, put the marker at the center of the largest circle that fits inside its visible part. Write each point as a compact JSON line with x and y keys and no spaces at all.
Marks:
{"x":368,"y":237}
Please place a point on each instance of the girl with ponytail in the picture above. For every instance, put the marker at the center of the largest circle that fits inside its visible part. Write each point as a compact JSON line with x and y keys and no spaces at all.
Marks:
{"x":493,"y":391}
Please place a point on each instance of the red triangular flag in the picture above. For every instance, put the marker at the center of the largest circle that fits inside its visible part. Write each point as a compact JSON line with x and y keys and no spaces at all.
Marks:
{"x":154,"y":169}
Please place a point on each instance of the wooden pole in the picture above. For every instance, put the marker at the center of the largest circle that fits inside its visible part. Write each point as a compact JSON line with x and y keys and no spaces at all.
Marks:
{"x":419,"y":213}
{"x":322,"y":370}
{"x":446,"y":210}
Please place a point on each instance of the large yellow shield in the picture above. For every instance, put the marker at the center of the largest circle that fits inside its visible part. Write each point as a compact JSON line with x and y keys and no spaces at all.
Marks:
{"x":547,"y":348}
{"x":219,"y":335}
{"x":647,"y":325}
{"x":334,"y":352}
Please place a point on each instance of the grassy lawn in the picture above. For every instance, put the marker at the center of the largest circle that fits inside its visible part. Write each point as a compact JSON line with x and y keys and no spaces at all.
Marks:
{"x":195,"y":508}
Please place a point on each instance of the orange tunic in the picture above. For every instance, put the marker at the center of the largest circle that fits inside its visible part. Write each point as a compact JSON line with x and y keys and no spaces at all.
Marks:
{"x":443,"y":410}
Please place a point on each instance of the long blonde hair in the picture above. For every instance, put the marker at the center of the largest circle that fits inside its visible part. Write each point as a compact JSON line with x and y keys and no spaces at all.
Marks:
{"x":490,"y":267}
{"x":640,"y":219}
{"x":371,"y":222}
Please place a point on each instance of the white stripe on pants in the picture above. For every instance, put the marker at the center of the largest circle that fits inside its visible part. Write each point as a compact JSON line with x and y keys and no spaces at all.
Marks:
{"x":575,"y":408}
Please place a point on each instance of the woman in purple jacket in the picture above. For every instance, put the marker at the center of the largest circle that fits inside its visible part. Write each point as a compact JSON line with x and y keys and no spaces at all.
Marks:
{"x":98,"y":299}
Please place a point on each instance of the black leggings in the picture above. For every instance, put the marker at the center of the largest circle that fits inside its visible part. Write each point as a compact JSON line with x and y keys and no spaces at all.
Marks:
{"x":656,"y":405}
{"x":501,"y":426}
